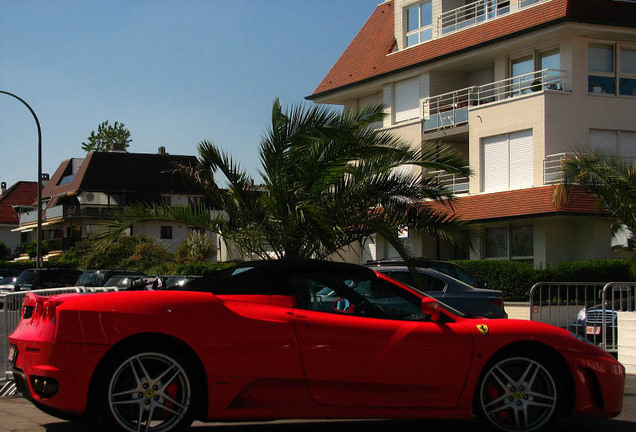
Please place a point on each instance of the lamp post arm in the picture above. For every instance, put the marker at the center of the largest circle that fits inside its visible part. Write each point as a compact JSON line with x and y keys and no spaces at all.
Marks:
{"x":39,"y":230}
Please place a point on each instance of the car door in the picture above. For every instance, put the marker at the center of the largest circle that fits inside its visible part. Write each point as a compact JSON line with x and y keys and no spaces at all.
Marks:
{"x":361,"y":348}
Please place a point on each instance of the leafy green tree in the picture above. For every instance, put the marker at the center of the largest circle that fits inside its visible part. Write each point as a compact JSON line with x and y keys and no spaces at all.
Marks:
{"x":31,"y":248}
{"x":108,"y":137}
{"x":331,"y":179}
{"x":197,"y":247}
{"x":610,"y":179}
{"x":5,"y":252}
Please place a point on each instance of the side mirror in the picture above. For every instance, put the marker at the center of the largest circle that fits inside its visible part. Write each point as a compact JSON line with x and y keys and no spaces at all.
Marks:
{"x":430,"y":308}
{"x":343,"y":306}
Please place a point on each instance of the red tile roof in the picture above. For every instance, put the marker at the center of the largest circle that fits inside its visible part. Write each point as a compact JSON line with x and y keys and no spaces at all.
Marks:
{"x":369,"y":55}
{"x":21,"y":193}
{"x":533,"y":202}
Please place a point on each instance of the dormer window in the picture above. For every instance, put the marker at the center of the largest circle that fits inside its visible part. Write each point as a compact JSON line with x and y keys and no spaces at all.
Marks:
{"x":419,"y":23}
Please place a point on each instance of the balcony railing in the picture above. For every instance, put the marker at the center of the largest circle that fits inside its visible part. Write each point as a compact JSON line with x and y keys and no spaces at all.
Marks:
{"x":552,"y":172}
{"x":478,"y":12}
{"x":451,"y":109}
{"x":452,"y":183}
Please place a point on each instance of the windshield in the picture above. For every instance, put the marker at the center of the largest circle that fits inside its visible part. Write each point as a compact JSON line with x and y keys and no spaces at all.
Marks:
{"x":91,"y":279}
{"x":120,"y":281}
{"x":27,"y":277}
{"x":8,"y":280}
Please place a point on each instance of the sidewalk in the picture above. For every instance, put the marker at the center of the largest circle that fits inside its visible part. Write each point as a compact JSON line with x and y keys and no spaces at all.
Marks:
{"x":19,"y":415}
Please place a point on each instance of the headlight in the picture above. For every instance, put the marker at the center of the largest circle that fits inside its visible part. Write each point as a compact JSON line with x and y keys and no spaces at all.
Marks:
{"x":581,"y":315}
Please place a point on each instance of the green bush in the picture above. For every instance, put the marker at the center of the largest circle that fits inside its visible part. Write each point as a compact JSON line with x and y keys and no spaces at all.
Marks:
{"x":20,"y":265}
{"x":515,"y":279}
{"x":5,"y":252}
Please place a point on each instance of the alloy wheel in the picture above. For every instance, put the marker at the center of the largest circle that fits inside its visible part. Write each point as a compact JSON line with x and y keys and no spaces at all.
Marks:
{"x":149,"y":392}
{"x":518,"y":394}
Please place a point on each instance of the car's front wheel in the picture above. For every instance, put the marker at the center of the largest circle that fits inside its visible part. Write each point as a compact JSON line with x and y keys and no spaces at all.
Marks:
{"x":146,"y":389}
{"x":519,"y":393}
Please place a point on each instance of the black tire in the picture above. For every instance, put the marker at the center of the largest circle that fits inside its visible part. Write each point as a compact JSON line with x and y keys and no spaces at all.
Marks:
{"x":145,"y":388}
{"x":519,"y":393}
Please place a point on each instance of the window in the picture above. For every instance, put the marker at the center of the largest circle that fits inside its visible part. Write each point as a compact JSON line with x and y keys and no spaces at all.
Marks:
{"x":601,"y":68}
{"x":627,"y":78}
{"x":614,"y":142}
{"x":527,"y":68}
{"x":428,"y":283}
{"x":195,"y":201}
{"x":355,"y":295}
{"x":603,"y":62}
{"x":166,"y":200}
{"x":507,"y":161}
{"x":510,"y":243}
{"x":166,"y":232}
{"x":407,"y":100}
{"x":419,"y":23}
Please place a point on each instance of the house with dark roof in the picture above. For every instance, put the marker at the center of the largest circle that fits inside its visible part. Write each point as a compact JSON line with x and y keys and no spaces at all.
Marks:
{"x":21,"y":194}
{"x":514,"y":86}
{"x":84,"y":192}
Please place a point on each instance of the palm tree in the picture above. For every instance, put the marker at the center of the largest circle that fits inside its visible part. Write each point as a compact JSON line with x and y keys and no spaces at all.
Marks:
{"x":610,"y":179}
{"x":330,"y":179}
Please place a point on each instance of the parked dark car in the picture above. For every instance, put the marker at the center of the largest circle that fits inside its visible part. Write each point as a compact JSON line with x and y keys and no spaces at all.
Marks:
{"x":471,"y":301}
{"x":177,"y":282}
{"x":8,"y":278}
{"x":590,"y":324}
{"x":99,"y":277}
{"x":42,"y":278}
{"x":453,"y":270}
{"x":123,"y":281}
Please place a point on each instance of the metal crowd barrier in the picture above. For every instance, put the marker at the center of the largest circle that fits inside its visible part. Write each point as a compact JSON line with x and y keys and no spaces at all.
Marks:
{"x":588,"y":309}
{"x":12,"y":311}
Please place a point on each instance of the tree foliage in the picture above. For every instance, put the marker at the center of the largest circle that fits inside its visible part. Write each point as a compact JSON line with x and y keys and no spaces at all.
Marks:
{"x":5,"y":251}
{"x":108,"y":137}
{"x":137,"y":252}
{"x":610,"y":179}
{"x":196,"y":248}
{"x":330,"y":179}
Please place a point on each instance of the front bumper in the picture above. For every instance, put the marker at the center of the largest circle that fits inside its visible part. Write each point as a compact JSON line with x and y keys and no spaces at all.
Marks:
{"x":599,"y":384}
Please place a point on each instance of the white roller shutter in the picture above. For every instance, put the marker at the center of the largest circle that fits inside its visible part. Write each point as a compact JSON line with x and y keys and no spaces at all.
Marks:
{"x":495,"y":163}
{"x":604,"y":140}
{"x":627,"y":144}
{"x":407,"y":100}
{"x":521,"y":175}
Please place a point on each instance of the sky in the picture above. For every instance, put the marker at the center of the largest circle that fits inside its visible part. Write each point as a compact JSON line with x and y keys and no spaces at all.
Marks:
{"x":175,"y":72}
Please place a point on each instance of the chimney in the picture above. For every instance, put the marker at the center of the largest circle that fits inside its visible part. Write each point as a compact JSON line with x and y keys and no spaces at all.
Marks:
{"x":3,"y":188}
{"x":45,"y":179}
{"x":161,"y":150}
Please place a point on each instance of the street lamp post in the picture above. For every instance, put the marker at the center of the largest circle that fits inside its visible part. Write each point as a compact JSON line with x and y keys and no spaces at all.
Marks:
{"x":39,"y":230}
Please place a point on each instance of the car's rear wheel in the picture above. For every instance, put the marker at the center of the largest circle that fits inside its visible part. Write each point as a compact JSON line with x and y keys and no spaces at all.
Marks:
{"x":143,"y":389}
{"x":519,"y":393}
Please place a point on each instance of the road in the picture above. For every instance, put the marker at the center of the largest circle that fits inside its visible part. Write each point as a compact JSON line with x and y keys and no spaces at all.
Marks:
{"x":18,"y":415}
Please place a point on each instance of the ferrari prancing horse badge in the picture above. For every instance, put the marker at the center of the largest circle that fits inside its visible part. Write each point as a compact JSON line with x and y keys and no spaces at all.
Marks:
{"x":483,"y":328}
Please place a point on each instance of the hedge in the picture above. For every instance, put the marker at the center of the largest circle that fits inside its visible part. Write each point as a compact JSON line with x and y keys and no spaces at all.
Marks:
{"x":515,"y":279}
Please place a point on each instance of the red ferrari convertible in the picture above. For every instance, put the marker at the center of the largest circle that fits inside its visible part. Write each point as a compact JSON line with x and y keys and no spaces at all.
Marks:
{"x":299,"y":339}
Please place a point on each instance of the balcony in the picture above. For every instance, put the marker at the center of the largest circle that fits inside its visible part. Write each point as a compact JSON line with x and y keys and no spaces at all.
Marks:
{"x":451,"y":183}
{"x":552,"y":173}
{"x":451,"y":109}
{"x":479,"y":12}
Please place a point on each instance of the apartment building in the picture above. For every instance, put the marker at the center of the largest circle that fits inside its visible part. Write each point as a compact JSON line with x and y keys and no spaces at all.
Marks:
{"x":514,"y":86}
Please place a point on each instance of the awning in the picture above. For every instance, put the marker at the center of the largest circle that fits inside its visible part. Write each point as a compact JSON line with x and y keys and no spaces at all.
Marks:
{"x":32,"y":226}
